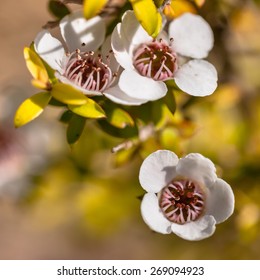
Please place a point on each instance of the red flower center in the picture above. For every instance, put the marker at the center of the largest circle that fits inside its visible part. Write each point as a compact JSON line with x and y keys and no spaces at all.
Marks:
{"x":155,"y":60}
{"x":89,"y":71}
{"x":182,"y":201}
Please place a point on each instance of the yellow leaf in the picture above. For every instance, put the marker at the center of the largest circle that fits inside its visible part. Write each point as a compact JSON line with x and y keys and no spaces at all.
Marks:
{"x":88,"y":110}
{"x":124,"y":156}
{"x":68,"y":94}
{"x":92,"y":7}
{"x":199,"y":3}
{"x":31,"y":108}
{"x":36,"y":66}
{"x":119,"y":118}
{"x":148,"y":16}
{"x":39,"y":84}
{"x":178,"y":7}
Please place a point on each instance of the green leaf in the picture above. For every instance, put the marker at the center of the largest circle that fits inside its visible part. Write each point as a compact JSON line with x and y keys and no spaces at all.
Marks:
{"x":170,"y":101}
{"x":148,"y":16}
{"x":88,"y":110}
{"x":158,"y":3}
{"x":56,"y":103}
{"x":125,"y":133}
{"x":36,"y":68}
{"x":31,"y":108}
{"x":92,"y":7}
{"x":68,"y":94}
{"x":58,"y":9}
{"x":118,"y":117}
{"x":75,"y":128}
{"x":66,"y":116}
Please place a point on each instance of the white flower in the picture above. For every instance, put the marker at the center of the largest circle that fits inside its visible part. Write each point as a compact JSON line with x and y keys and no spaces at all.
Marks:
{"x":78,"y":63}
{"x":148,"y":63}
{"x":184,"y":195}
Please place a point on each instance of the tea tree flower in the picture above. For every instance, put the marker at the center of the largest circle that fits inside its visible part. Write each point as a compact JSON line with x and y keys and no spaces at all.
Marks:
{"x":78,"y":63}
{"x":149,"y":62}
{"x":184,"y":196}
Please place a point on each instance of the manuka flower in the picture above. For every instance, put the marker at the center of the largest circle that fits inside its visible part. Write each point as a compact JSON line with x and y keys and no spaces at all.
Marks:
{"x":78,"y":63}
{"x":148,"y":62}
{"x":184,"y":195}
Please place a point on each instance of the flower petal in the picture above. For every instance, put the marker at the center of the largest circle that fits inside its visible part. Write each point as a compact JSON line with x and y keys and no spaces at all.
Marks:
{"x":118,"y":96}
{"x":132,"y":31}
{"x":118,"y":45}
{"x":198,"y":230}
{"x":157,"y":170}
{"x":137,"y":86}
{"x":192,"y":36}
{"x":198,"y":168}
{"x":50,"y":49}
{"x":107,"y":55}
{"x":79,"y":33}
{"x":220,"y":201}
{"x":197,"y":78}
{"x":152,"y":214}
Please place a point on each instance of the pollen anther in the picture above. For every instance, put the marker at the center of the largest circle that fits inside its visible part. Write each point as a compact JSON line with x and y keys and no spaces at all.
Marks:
{"x":155,"y":60}
{"x":182,"y":201}
{"x":88,"y":71}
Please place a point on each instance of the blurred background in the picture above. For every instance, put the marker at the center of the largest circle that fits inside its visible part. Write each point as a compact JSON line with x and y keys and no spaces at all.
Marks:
{"x":82,"y":202}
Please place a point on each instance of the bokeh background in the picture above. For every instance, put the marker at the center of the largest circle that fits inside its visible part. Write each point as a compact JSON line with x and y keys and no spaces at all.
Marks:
{"x":58,"y":202}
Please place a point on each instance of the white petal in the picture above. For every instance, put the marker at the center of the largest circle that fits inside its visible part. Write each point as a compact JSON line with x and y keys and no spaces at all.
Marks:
{"x":197,"y":168}
{"x":118,"y":96}
{"x":118,"y":45}
{"x":137,"y":86}
{"x":197,"y":230}
{"x":79,"y":33}
{"x":50,"y":49}
{"x":220,"y":201}
{"x":108,"y":56}
{"x":68,"y":82}
{"x":192,"y":36}
{"x":132,"y":31}
{"x":197,"y":78}
{"x":152,"y":214}
{"x":157,"y":170}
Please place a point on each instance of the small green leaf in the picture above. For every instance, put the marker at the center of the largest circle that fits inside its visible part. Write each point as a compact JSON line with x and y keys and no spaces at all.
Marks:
{"x":56,"y":103}
{"x":88,"y":110}
{"x":170,"y":101}
{"x":118,"y":117}
{"x":92,"y":7}
{"x":58,"y":9}
{"x":66,"y":116}
{"x":148,"y":16}
{"x":75,"y":128}
{"x":68,"y":94}
{"x":31,"y":108}
{"x":158,"y":3}
{"x":125,"y":133}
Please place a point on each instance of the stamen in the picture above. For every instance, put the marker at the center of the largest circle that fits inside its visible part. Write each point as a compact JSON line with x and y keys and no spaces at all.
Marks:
{"x":89,"y":71}
{"x":182,"y":201}
{"x":155,"y":60}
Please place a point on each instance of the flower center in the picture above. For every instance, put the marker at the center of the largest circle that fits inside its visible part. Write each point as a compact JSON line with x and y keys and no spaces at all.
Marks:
{"x":182,"y":201}
{"x":155,"y":60}
{"x":89,"y":71}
